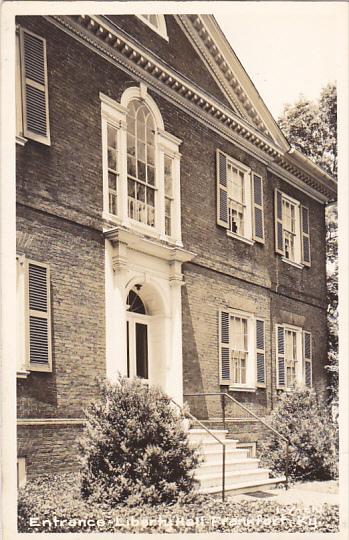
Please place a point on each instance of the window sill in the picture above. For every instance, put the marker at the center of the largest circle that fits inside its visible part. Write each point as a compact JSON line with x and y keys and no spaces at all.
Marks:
{"x":292,"y":263}
{"x":21,"y":140}
{"x":242,"y":388}
{"x":141,"y":228}
{"x":241,"y":238}
{"x":22,"y":374}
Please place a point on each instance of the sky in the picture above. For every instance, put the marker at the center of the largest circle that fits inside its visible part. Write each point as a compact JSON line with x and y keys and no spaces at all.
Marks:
{"x":287,"y":48}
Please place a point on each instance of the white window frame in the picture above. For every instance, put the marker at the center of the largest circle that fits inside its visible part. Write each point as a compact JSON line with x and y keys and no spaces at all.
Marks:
{"x":22,"y":368}
{"x":251,"y":370}
{"x":165,"y":144}
{"x":298,"y":238}
{"x":248,"y":203}
{"x":160,"y":28}
{"x":132,"y":319}
{"x":299,"y":371}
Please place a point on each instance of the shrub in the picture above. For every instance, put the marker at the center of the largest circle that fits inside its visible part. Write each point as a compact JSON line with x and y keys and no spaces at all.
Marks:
{"x":56,"y":505}
{"x":313,"y":437}
{"x":134,"y":448}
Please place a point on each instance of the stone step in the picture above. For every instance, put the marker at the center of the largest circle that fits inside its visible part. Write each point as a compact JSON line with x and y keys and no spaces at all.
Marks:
{"x":233,"y":477}
{"x":214,"y":453}
{"x":215,"y":466}
{"x":243,"y":487}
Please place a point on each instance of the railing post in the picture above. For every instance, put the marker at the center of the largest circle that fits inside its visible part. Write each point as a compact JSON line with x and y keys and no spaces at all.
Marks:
{"x":286,"y":468}
{"x":223,"y":472}
{"x":223,"y":409}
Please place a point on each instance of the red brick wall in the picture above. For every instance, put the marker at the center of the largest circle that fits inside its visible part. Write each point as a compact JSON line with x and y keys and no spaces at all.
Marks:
{"x":59,"y":195}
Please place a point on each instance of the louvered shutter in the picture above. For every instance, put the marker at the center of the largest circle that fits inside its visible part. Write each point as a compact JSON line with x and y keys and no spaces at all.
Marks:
{"x":279,"y":235}
{"x":260,"y":352}
{"x":280,"y":357}
{"x":224,"y":350}
{"x":34,"y":87}
{"x":222,"y":190}
{"x":307,"y":357}
{"x":39,"y":320}
{"x":258,"y":217}
{"x":305,"y":236}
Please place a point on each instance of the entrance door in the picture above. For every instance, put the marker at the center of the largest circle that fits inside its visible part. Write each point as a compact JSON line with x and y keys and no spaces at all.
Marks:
{"x":137,"y":338}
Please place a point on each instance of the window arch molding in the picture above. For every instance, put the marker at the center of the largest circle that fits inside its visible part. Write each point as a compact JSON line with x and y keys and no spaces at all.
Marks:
{"x":156,"y":210}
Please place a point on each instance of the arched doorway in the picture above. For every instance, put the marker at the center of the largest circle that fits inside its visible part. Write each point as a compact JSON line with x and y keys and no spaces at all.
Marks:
{"x":138,"y":338}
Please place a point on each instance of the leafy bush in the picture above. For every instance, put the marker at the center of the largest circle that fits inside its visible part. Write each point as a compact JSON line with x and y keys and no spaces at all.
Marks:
{"x":135,"y":448}
{"x":54,"y":504}
{"x":313,"y":437}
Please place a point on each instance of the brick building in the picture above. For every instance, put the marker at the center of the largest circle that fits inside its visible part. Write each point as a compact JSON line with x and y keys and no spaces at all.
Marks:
{"x":165,"y":227}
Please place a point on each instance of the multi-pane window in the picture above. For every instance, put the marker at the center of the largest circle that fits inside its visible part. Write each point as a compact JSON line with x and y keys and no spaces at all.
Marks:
{"x":168,"y":176}
{"x":112,"y":169}
{"x":140,"y":164}
{"x":236,"y":199}
{"x":290,"y":357}
{"x":289,"y":228}
{"x":239,"y":348}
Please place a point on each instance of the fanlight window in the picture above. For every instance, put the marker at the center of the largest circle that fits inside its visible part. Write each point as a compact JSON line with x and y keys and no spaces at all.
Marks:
{"x":135,"y":304}
{"x":140,"y":163}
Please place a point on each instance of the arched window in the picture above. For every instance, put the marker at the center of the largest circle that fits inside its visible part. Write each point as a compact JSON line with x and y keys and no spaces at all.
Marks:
{"x":140,"y":163}
{"x":135,"y":304}
{"x":141,"y":166}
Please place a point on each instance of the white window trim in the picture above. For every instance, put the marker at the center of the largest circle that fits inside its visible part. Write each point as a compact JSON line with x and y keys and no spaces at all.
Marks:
{"x":132,"y":319}
{"x":161,"y":29}
{"x":300,"y":379}
{"x":298,"y":236}
{"x":248,"y":216}
{"x":22,"y":368}
{"x":165,"y":143}
{"x":251,"y":375}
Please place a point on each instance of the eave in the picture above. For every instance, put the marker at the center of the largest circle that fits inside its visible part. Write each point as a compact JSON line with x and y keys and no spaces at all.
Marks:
{"x":112,"y":44}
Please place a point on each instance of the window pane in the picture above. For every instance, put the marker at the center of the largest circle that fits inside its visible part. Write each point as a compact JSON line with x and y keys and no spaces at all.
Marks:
{"x":141,"y":192}
{"x":112,"y":178}
{"x":142,"y":350}
{"x":150,"y":197}
{"x":112,"y":159}
{"x":151,"y":175}
{"x":141,"y":170}
{"x":131,"y":166}
{"x":141,"y":151}
{"x":111,"y":136}
{"x":150,"y":154}
{"x":128,"y":347}
{"x":131,"y":149}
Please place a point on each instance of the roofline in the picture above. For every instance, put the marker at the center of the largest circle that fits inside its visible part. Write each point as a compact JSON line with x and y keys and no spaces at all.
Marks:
{"x":313,"y":168}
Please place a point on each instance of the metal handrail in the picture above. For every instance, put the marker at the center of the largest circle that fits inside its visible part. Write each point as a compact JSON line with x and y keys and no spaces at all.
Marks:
{"x":223,"y":395}
{"x":192,"y":417}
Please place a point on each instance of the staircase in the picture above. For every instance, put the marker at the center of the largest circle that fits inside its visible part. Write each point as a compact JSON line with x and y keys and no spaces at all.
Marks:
{"x":242,"y":473}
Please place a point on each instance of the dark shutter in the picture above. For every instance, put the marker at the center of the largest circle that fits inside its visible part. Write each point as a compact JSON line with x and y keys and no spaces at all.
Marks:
{"x":305,"y":236}
{"x":260,"y":352}
{"x":279,"y":235}
{"x":280,"y":348}
{"x":307,"y":357}
{"x":34,"y":87}
{"x":224,"y":323}
{"x":39,"y":346}
{"x":222,"y":190}
{"x":258,"y":217}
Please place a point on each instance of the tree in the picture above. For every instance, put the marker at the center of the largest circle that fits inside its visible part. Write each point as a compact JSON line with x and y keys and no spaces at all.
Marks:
{"x":311,"y":127}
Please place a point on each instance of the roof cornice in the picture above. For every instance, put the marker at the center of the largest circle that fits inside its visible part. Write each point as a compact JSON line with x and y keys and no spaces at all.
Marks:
{"x":113,"y":45}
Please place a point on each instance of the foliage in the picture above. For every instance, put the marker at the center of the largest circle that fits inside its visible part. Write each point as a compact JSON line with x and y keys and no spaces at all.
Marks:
{"x":311,"y":127}
{"x":135,"y":448}
{"x":312,"y":434}
{"x":59,"y":496}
